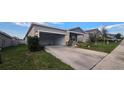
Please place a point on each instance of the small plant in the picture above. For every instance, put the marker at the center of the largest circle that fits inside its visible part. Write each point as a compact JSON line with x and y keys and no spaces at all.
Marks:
{"x":33,"y":44}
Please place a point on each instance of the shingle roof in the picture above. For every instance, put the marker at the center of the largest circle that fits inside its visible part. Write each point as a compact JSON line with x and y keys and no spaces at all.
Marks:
{"x":92,"y":30}
{"x":5,"y":34}
{"x":75,"y":28}
{"x":41,"y":25}
{"x":36,"y":24}
{"x":96,"y":30}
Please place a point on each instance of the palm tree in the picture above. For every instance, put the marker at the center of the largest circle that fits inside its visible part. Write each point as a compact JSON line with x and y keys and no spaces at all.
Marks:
{"x":93,"y":37}
{"x":104,"y":33}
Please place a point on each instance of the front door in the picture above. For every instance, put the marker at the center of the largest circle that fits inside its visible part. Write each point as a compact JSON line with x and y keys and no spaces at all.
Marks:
{"x":73,"y":39}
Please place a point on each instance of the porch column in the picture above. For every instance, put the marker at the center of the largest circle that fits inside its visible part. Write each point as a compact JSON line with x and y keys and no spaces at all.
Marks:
{"x":67,"y":37}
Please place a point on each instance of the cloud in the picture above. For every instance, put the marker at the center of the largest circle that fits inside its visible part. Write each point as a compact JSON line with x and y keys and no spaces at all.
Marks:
{"x":43,"y":23}
{"x":116,"y":25}
{"x":114,"y":29}
{"x":118,"y":28}
{"x":27,"y":24}
{"x":57,"y":23}
{"x":24,"y":24}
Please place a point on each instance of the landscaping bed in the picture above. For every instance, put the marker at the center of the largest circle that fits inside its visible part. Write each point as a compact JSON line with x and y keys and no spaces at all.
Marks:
{"x":19,"y":58}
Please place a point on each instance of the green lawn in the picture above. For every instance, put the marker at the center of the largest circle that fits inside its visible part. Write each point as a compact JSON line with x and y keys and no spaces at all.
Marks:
{"x":100,"y":47}
{"x":21,"y":59}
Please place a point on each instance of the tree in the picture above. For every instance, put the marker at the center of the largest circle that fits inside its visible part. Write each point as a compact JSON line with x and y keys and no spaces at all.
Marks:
{"x":92,"y":37}
{"x":104,"y":33}
{"x":118,"y":36}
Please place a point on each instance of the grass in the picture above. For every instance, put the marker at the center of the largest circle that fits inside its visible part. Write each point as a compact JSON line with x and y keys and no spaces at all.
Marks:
{"x":19,"y":58}
{"x":100,"y":47}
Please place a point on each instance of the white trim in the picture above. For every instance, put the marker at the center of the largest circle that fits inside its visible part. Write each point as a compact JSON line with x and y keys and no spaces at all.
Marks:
{"x":62,"y":33}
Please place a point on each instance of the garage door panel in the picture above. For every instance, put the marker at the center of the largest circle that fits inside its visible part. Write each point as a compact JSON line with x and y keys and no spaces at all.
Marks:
{"x":51,"y":39}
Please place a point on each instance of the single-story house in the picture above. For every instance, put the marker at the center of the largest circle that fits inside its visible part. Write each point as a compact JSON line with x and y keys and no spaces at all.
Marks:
{"x":112,"y":37}
{"x":95,"y":31}
{"x":53,"y":36}
{"x":84,"y":38}
{"x":7,"y":40}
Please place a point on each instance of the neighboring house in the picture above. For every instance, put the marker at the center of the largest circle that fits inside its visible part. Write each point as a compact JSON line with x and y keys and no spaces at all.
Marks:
{"x":6,"y":40}
{"x":84,"y":38}
{"x":96,"y":32}
{"x":52,"y":35}
{"x":111,"y":36}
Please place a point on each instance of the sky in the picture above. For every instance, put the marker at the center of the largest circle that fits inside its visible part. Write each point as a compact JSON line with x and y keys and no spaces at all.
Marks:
{"x":19,"y":29}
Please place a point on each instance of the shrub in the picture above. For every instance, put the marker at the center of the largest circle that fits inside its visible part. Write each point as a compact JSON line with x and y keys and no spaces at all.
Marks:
{"x":33,"y":44}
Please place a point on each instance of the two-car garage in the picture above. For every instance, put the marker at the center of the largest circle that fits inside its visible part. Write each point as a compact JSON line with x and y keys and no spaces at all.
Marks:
{"x":51,"y":39}
{"x":47,"y":35}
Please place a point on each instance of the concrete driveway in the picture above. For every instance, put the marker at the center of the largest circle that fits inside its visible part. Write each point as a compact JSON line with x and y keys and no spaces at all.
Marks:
{"x":76,"y":57}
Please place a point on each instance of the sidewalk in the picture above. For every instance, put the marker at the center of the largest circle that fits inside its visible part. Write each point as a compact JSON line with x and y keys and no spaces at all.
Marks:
{"x":114,"y":61}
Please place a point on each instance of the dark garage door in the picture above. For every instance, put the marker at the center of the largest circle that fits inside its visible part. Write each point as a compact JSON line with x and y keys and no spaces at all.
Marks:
{"x":51,"y":39}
